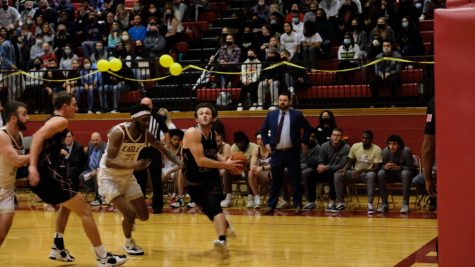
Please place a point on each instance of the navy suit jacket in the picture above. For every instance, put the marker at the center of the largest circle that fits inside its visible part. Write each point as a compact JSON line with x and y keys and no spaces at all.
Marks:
{"x":297,"y":123}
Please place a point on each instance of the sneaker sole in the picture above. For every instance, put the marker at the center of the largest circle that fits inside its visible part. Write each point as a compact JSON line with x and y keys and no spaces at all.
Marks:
{"x":133,"y":253}
{"x":221,"y":248}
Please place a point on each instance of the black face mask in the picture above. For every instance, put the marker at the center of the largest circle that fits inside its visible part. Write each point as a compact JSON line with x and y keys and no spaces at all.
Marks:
{"x":229,"y":43}
{"x":284,"y":59}
{"x":381,"y":26}
{"x":251,"y":57}
{"x":325,"y":120}
{"x":5,"y":7}
{"x":312,"y":143}
{"x":37,"y":65}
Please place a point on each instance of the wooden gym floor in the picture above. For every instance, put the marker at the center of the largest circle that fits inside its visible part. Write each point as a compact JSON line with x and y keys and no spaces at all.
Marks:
{"x":184,"y":237}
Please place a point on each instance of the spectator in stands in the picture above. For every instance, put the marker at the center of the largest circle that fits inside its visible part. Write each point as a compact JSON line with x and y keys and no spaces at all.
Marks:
{"x":261,"y":10}
{"x":270,"y":81}
{"x":64,"y":6}
{"x":292,"y":79}
{"x":94,"y":151}
{"x":155,"y":43}
{"x":310,"y":45}
{"x":93,"y":33}
{"x":247,"y":41}
{"x":276,"y":23}
{"x":259,"y":173}
{"x":311,"y":14}
{"x":294,"y":15}
{"x":48,"y":33}
{"x":385,"y":9}
{"x":114,"y":37}
{"x":407,"y":9}
{"x":52,"y":76}
{"x":35,"y":96}
{"x":140,"y":61}
{"x":229,"y":55}
{"x":241,"y":144}
{"x":36,"y":49}
{"x":375,"y":47}
{"x":137,"y":31}
{"x":326,"y":124}
{"x":174,"y":28}
{"x":116,"y":86}
{"x":250,"y":72}
{"x":179,"y":9}
{"x":136,"y":11}
{"x":100,"y":52}
{"x":262,"y":41}
{"x":68,"y":56}
{"x":359,"y":37}
{"x":72,"y":75}
{"x":297,"y":24}
{"x":383,"y":30}
{"x":349,"y":54}
{"x":409,"y":39}
{"x":309,"y":158}
{"x":73,"y":153}
{"x":171,"y":171}
{"x":331,"y":8}
{"x":223,"y":148}
{"x":290,"y":40}
{"x":29,"y":25}
{"x":222,"y":38}
{"x":46,"y":12}
{"x":167,"y":120}
{"x":61,"y":38}
{"x":28,"y":11}
{"x":387,"y":71}
{"x":397,"y":166}
{"x":333,"y":157}
{"x":274,"y":43}
{"x":90,"y":83}
{"x":151,"y":11}
{"x":364,"y":161}
{"x":7,"y":54}
{"x":9,"y":16}
{"x":82,"y":18}
{"x":48,"y":54}
{"x":125,"y":47}
{"x":122,"y":16}
{"x":348,"y":10}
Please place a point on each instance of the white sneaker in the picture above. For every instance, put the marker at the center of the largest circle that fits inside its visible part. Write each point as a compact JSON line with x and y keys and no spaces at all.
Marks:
{"x":221,"y":247}
{"x":98,"y":112}
{"x":404,"y":209}
{"x":227,"y":202}
{"x":271,"y":108}
{"x":239,"y":107}
{"x":191,"y":205}
{"x":250,"y":202}
{"x":252,"y":108}
{"x":178,"y":203}
{"x":89,"y":112}
{"x":60,"y":255}
{"x":114,"y":112}
{"x":259,"y":108}
{"x":230,"y":232}
{"x":132,"y":249}
{"x":283,"y":205}
{"x":257,"y":202}
{"x":111,"y":260}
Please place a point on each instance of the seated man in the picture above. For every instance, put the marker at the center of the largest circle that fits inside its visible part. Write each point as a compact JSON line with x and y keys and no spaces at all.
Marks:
{"x":364,"y":160}
{"x":241,"y":144}
{"x":259,"y":173}
{"x":308,"y":165}
{"x":94,"y":151}
{"x":171,"y":171}
{"x":333,"y":156}
{"x":419,"y":182}
{"x":397,"y":165}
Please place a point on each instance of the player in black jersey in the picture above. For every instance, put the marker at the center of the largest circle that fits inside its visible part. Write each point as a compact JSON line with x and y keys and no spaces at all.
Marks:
{"x":201,"y":170}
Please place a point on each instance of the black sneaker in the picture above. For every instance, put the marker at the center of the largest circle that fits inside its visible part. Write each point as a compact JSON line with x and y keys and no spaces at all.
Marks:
{"x":111,"y":260}
{"x":432,"y":204}
{"x":338,"y":208}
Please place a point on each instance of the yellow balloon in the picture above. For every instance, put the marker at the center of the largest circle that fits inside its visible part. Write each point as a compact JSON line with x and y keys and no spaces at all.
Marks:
{"x":166,"y":61}
{"x":103,"y":65}
{"x":115,"y":64}
{"x":175,"y":69}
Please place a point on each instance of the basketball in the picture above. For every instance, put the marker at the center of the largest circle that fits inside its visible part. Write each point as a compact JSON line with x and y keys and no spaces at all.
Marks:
{"x":238,"y":156}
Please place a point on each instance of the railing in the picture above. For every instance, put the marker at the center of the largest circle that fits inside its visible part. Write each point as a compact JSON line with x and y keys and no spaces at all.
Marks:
{"x":320,"y":87}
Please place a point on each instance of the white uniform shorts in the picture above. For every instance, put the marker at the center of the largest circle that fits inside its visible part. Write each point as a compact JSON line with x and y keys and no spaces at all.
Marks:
{"x":111,"y":188}
{"x":7,"y":203}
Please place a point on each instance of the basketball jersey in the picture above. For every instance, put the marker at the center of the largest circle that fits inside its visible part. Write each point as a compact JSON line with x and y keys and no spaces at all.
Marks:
{"x":51,"y":152}
{"x":128,"y":151}
{"x":261,"y":160}
{"x":191,"y":170}
{"x":7,"y":170}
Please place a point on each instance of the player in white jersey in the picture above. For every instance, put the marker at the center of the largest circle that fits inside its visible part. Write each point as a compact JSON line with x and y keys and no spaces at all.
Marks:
{"x":116,"y":179}
{"x":11,"y":157}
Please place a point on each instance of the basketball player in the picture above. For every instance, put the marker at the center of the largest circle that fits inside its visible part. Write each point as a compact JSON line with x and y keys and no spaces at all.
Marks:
{"x":201,"y":169}
{"x":116,"y":178}
{"x":11,"y":157}
{"x":48,"y":180}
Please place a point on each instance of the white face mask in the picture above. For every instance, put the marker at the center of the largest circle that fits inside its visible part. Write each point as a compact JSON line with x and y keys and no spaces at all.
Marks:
{"x":375,"y":43}
{"x":125,"y":38}
{"x":387,"y":50}
{"x":87,"y":66}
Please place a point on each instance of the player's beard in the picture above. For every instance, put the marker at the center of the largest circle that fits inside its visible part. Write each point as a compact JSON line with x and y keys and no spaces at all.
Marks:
{"x":21,"y":125}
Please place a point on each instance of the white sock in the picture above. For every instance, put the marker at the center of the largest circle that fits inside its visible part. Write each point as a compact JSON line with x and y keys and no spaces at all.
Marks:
{"x":128,"y":240}
{"x":100,"y":252}
{"x":58,"y":235}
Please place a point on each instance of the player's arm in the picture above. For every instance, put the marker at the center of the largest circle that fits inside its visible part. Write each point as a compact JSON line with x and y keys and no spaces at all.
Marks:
{"x":9,"y":153}
{"x":165,"y":151}
{"x":428,"y":159}
{"x":51,"y":127}
{"x":192,"y":141}
{"x":115,"y":141}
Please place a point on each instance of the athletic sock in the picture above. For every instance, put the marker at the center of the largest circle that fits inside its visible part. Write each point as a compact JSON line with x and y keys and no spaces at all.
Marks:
{"x":100,"y":252}
{"x":222,"y":238}
{"x":58,"y":240}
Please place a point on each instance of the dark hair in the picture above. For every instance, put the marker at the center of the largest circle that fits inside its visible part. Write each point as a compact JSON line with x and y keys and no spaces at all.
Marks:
{"x":69,"y":131}
{"x":240,"y":136}
{"x":60,"y":98}
{"x":214,"y":113}
{"x":176,"y":132}
{"x":369,"y":133}
{"x":11,"y":109}
{"x":285,"y":92}
{"x":138,"y":107}
{"x":396,"y":138}
{"x":332,"y":119}
{"x":338,"y":130}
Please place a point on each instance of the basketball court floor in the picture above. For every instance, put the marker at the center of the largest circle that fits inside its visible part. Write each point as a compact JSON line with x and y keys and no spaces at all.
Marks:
{"x":183,"y":237}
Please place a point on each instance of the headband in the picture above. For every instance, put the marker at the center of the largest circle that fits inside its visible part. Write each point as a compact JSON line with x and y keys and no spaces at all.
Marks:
{"x":140,"y":114}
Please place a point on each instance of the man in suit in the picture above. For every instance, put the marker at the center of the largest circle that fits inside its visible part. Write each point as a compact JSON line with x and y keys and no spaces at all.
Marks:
{"x":75,"y":158}
{"x":285,"y":142}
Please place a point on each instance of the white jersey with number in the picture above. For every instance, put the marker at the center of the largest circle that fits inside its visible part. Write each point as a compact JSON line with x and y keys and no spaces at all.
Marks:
{"x":7,"y":170}
{"x":128,"y":152}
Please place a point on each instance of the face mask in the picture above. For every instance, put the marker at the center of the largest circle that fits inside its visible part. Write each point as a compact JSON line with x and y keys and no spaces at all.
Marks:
{"x":137,"y":8}
{"x":347,"y":41}
{"x":152,"y":10}
{"x":273,"y":21}
{"x":67,"y":51}
{"x":5,"y":7}
{"x":87,"y":66}
{"x":284,"y":58}
{"x":418,"y":5}
{"x":29,"y":21}
{"x":405,"y":24}
{"x":381,"y":26}
{"x":125,"y":38}
{"x":387,"y":50}
{"x":295,"y":20}
{"x":375,"y":43}
{"x":43,"y":7}
{"x":168,"y":16}
{"x":251,"y":57}
{"x":313,"y":10}
{"x":39,"y":41}
{"x":37,"y":65}
{"x":312,"y":143}
{"x":295,"y":11}
{"x":28,"y":9}
{"x":325,"y":120}
{"x":46,"y":51}
{"x":354,"y":27}
{"x":154,"y":32}
{"x":229,"y":43}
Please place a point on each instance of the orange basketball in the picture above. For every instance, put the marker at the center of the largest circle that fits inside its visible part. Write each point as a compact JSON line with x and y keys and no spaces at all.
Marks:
{"x":241,"y":157}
